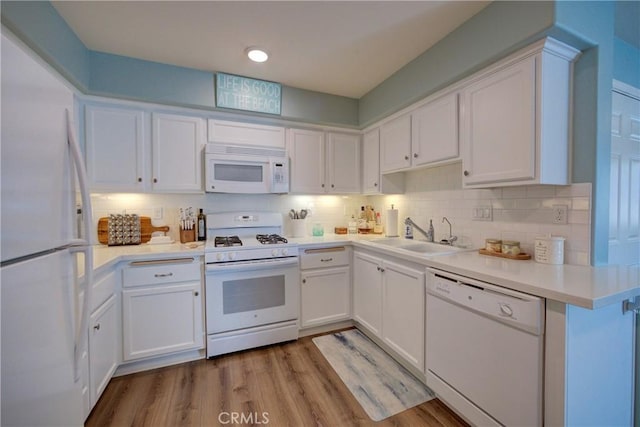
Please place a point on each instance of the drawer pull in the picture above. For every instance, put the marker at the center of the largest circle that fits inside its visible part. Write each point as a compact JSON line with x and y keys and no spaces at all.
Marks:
{"x":326,"y":259}
{"x":97,"y":327}
{"x":323,"y":250}
{"x":196,"y":293}
{"x":163,"y":274}
{"x":161,"y":261}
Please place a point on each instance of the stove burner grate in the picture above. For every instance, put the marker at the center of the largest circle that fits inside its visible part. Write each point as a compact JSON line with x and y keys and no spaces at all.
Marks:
{"x":227,"y":241}
{"x":270,"y":239}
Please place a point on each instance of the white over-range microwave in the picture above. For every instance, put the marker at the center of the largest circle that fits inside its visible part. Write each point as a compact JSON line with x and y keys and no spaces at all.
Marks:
{"x":245,"y":169}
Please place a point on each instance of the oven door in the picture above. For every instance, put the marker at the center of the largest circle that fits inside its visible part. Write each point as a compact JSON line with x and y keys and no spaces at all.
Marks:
{"x":242,"y":294}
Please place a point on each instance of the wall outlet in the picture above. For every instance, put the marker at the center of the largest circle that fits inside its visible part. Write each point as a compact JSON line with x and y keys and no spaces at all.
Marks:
{"x":157,"y":213}
{"x":482,"y":213}
{"x":560,"y":214}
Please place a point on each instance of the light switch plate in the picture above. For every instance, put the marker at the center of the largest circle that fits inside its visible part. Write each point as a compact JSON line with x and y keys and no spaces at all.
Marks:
{"x":482,"y":213}
{"x":157,"y":213}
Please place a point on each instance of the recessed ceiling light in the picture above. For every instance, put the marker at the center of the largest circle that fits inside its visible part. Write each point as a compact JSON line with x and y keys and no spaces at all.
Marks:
{"x":257,"y":54}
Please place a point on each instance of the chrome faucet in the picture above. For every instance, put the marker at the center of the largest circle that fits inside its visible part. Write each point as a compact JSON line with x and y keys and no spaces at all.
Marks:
{"x":451,"y":238}
{"x":409,"y":221}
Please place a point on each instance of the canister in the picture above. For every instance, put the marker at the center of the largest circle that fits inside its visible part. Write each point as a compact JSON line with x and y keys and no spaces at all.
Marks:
{"x":549,"y":249}
{"x":510,"y":247}
{"x":493,"y":245}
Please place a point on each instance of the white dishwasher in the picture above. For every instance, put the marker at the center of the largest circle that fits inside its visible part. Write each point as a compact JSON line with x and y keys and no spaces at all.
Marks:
{"x":484,"y":350}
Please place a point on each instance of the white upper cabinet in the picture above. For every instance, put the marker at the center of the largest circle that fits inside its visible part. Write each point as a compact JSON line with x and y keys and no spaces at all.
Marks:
{"x":324,"y":162}
{"x":395,"y":144}
{"x":177,"y":153}
{"x":516,"y":119}
{"x":434,"y":131}
{"x":115,"y":148}
{"x":343,"y":163}
{"x":306,"y":150}
{"x":425,"y":136}
{"x":133,"y":150}
{"x":221,"y":131}
{"x":373,"y":182}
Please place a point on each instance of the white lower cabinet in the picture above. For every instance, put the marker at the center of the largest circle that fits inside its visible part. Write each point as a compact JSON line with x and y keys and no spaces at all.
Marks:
{"x":389,"y":302}
{"x":161,"y":309}
{"x":367,"y":292}
{"x":403,"y":311}
{"x":103,"y":347}
{"x":325,"y":293}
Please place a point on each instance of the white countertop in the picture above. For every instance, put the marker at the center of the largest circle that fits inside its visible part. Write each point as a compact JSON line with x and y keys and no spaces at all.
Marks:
{"x":583,"y":286}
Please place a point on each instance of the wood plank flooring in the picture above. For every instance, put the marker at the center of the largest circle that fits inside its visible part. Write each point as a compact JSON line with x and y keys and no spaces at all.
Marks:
{"x":289,"y":384}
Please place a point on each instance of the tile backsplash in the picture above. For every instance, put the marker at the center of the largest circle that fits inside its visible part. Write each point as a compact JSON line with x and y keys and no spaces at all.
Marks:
{"x":519,"y":213}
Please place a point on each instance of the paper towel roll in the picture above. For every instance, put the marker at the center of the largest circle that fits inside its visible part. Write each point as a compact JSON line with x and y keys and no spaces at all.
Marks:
{"x":392,"y":223}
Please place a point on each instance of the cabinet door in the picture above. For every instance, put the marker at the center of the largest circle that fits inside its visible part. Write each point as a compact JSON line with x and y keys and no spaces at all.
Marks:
{"x":403,"y":311}
{"x":395,"y":144}
{"x":371,"y":162}
{"x":115,"y":148}
{"x":161,"y":319}
{"x":499,"y":125}
{"x":434,"y":131}
{"x":246,"y":133}
{"x":367,"y":292}
{"x":177,"y":152}
{"x":343,"y":163}
{"x":306,"y":148}
{"x":325,"y":296}
{"x":103,"y":347}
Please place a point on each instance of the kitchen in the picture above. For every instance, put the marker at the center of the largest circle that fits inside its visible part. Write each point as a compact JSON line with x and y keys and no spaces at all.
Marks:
{"x":520,"y":212}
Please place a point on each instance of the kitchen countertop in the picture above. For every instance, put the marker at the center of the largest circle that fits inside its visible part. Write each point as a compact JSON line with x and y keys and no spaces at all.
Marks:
{"x":583,"y":286}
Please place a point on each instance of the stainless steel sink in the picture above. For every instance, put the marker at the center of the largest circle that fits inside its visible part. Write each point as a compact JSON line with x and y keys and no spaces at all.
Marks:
{"x":420,"y":247}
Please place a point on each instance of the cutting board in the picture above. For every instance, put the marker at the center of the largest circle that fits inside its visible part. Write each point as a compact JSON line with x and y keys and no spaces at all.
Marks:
{"x":145,"y":229}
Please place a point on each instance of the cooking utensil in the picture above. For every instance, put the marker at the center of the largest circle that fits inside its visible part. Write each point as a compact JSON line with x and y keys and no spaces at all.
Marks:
{"x":303,"y":213}
{"x":292,"y":214}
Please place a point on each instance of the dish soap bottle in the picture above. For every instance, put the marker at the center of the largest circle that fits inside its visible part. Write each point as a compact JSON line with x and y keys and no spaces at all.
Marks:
{"x":202,"y":226}
{"x":408,"y":231}
{"x":430,"y":231}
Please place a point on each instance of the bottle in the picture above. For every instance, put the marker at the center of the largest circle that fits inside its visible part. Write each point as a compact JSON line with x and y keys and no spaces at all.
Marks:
{"x":202,"y":226}
{"x":408,"y":231}
{"x":430,"y":232}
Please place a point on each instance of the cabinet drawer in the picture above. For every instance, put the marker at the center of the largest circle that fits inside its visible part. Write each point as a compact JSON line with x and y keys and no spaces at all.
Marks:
{"x":142,"y":273}
{"x":324,"y":257}
{"x":103,"y":288}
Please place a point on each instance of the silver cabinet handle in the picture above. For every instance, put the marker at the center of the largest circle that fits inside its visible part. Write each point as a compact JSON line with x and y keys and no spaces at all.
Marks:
{"x":406,"y":157}
{"x":196,"y":293}
{"x":97,"y":327}
{"x":304,"y":280}
{"x":415,"y":155}
{"x":375,"y":184}
{"x":163,"y":274}
{"x":139,"y":179}
{"x":382,"y":270}
{"x":466,"y":173}
{"x":326,"y":259}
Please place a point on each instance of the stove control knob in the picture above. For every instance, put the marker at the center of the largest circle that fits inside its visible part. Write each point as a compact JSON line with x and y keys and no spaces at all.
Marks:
{"x":219,"y":256}
{"x":285,"y":252}
{"x":231,"y":255}
{"x":274,"y":252}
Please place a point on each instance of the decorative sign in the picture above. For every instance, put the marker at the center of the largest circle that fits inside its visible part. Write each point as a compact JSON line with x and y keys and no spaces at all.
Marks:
{"x":243,"y":93}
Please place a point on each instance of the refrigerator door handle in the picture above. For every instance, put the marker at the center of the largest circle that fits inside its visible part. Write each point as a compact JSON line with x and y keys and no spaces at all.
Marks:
{"x":82,"y":334}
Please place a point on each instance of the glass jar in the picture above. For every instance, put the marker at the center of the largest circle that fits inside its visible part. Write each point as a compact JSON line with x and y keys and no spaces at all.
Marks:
{"x":493,"y":245}
{"x":318,"y":230}
{"x":510,"y":247}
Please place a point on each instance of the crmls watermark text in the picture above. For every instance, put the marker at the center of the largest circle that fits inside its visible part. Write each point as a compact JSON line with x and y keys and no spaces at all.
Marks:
{"x":243,"y":418}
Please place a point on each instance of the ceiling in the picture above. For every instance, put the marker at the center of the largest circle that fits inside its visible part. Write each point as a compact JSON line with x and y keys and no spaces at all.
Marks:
{"x":338,"y":47}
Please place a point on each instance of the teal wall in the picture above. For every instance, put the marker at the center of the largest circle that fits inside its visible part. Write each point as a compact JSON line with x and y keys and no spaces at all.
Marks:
{"x":40,"y":26}
{"x":626,"y":62}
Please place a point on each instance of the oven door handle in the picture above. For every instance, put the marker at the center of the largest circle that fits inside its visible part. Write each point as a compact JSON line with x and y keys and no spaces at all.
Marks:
{"x":252,"y":265}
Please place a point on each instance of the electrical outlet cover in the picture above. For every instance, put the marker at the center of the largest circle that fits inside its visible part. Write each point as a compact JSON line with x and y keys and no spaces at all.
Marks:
{"x":560,"y":213}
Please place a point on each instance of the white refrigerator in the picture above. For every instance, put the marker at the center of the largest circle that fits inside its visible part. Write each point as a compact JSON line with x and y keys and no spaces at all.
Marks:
{"x":43,"y":292}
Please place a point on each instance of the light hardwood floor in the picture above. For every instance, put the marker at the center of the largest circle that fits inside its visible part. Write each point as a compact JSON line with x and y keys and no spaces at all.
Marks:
{"x":291,"y":383}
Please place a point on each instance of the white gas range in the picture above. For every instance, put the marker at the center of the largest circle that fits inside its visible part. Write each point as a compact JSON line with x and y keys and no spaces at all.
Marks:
{"x":252,"y":282}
